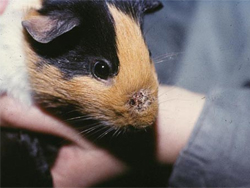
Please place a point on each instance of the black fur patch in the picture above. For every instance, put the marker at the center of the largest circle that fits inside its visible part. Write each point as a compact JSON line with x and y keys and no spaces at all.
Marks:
{"x":26,"y":158}
{"x":136,"y":8}
{"x":93,"y":39}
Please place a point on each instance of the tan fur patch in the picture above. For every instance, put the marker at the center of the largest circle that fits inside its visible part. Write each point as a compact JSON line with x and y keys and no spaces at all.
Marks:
{"x":30,"y":8}
{"x":106,"y":102}
{"x":136,"y":71}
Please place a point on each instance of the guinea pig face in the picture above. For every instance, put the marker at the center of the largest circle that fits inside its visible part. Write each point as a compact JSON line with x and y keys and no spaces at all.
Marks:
{"x":92,"y":55}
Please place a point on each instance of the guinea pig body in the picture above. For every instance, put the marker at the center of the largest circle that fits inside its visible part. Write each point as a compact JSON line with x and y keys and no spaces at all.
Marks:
{"x":13,"y":69}
{"x":80,"y":60}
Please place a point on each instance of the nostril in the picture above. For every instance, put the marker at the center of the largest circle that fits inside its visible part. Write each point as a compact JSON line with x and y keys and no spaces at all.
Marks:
{"x":132,"y":102}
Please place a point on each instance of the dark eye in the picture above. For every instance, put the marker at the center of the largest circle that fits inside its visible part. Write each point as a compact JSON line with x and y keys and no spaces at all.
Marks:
{"x":101,"y":70}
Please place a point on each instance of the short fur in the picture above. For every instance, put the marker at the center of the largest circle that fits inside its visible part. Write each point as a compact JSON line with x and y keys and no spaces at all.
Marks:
{"x":63,"y":40}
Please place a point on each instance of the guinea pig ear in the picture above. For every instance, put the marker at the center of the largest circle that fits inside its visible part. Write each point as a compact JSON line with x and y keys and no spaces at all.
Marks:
{"x":44,"y":29}
{"x":151,"y":6}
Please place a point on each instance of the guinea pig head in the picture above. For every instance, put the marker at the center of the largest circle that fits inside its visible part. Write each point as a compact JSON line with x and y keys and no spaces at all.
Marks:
{"x":92,"y":55}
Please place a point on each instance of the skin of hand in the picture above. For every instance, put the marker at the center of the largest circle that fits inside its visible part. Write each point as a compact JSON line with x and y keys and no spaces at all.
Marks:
{"x":3,"y":5}
{"x":179,"y":110}
{"x":82,"y":164}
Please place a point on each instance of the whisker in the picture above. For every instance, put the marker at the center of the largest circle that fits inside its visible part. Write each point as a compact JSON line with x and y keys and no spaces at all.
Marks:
{"x":165,"y":57}
{"x":92,"y":133}
{"x":117,"y":132}
{"x":151,"y":27}
{"x":105,"y":133}
{"x":90,"y":129}
{"x":71,"y":111}
{"x":79,"y":118}
{"x":165,"y":92}
{"x":163,"y":60}
{"x":123,"y":131}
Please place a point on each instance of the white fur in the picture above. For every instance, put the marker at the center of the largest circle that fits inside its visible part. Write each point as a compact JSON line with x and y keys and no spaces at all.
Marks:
{"x":13,"y":73}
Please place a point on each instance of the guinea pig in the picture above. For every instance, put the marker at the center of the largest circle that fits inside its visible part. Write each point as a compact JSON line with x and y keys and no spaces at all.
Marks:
{"x":88,"y":59}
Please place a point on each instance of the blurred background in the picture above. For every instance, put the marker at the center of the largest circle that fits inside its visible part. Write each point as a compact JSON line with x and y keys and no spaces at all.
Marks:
{"x":166,"y":32}
{"x":201,"y":45}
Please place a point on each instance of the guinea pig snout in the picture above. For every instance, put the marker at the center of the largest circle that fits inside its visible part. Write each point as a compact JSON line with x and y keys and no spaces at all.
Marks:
{"x":140,"y":100}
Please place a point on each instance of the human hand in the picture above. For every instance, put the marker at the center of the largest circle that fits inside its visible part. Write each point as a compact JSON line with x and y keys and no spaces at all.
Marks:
{"x":78,"y":167}
{"x":82,"y":164}
{"x":79,"y":164}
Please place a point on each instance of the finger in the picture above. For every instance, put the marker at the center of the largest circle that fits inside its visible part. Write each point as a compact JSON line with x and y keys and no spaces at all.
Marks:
{"x":80,"y":168}
{"x":15,"y":115}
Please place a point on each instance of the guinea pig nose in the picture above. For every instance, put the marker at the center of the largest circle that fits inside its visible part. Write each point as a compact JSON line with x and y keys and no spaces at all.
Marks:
{"x":140,"y":100}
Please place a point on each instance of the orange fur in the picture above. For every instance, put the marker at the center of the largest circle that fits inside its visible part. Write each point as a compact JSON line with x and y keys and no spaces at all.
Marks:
{"x":31,"y":7}
{"x":106,"y":102}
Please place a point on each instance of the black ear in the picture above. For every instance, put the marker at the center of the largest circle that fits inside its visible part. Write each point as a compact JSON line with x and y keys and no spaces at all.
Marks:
{"x":44,"y":29}
{"x":151,"y":6}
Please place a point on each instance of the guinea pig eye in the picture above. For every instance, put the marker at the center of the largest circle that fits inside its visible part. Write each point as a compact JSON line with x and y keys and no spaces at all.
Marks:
{"x":101,"y":70}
